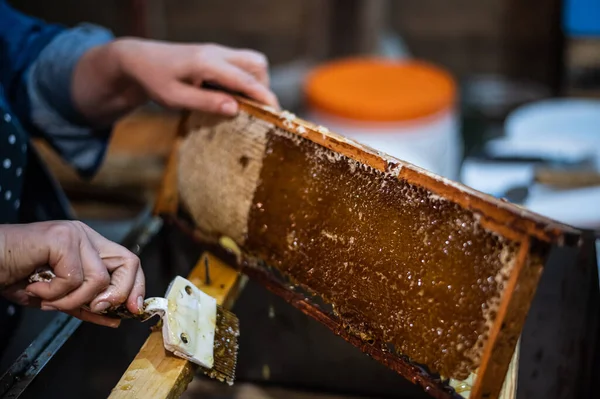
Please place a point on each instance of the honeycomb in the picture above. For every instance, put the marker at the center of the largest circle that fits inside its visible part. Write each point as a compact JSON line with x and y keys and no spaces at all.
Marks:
{"x":397,"y":262}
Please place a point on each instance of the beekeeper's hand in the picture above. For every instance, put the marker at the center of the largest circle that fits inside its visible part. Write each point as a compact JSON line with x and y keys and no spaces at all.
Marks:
{"x":123,"y":74}
{"x":90,"y":270}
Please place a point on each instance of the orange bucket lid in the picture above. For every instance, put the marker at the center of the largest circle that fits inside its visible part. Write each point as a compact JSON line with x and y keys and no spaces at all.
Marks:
{"x":375,"y":89}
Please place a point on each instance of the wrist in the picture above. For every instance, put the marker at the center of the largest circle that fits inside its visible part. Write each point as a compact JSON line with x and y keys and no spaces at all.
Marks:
{"x":11,"y":243}
{"x":103,"y":89}
{"x":130,"y":94}
{"x":23,"y":248}
{"x":119,"y":50}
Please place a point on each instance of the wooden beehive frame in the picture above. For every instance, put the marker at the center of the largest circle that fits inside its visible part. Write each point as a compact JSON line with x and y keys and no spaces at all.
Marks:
{"x":497,"y":216}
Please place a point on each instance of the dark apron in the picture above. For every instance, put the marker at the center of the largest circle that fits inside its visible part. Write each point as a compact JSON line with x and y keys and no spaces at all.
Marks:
{"x":40,"y":199}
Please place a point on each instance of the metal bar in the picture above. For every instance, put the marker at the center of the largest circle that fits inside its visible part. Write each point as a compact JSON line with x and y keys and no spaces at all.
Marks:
{"x":142,"y":231}
{"x":18,"y":377}
{"x":35,"y":349}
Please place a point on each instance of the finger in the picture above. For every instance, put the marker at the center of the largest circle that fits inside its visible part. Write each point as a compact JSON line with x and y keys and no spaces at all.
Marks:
{"x":85,"y":315}
{"x":95,"y":280}
{"x":252,"y":62}
{"x":235,"y":78}
{"x":63,"y":239}
{"x":121,"y":284}
{"x":135,"y":302}
{"x":183,"y":96}
{"x":127,"y":278}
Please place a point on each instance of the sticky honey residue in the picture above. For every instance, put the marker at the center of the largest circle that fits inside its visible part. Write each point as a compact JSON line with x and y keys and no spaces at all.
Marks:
{"x":463,"y":388}
{"x":288,"y":119}
{"x":323,"y":130}
{"x":225,"y":347}
{"x":126,"y":387}
{"x":228,"y":244}
{"x":397,"y":262}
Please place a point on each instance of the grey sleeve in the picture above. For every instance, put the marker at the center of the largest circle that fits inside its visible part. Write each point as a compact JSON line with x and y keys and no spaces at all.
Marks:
{"x":53,"y":112}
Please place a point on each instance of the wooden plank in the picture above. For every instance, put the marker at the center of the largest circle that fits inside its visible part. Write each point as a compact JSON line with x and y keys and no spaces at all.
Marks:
{"x":567,"y":179}
{"x":131,"y":173}
{"x":167,"y":200}
{"x":120,"y":172}
{"x":155,"y":373}
{"x":288,"y":184}
{"x":145,"y":132}
{"x":509,"y":388}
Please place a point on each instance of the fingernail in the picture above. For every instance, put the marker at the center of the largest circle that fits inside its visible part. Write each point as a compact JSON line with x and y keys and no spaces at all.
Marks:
{"x":229,"y":108}
{"x":140,"y":304}
{"x":101,"y":307}
{"x":48,"y":307}
{"x":31,"y":294}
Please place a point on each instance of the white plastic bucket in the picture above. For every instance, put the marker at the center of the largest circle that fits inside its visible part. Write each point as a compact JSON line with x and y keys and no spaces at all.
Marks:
{"x":412,"y":118}
{"x":431,"y":143}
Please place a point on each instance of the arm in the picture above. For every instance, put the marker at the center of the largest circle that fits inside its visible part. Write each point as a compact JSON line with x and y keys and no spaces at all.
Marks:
{"x":90,"y":270}
{"x":53,"y":113}
{"x":22,"y":38}
{"x":36,"y":68}
{"x":79,"y":81}
{"x":101,"y":83}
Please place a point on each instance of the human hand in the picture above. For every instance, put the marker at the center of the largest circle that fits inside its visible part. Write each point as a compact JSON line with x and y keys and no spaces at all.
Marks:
{"x":170,"y":74}
{"x":90,"y":270}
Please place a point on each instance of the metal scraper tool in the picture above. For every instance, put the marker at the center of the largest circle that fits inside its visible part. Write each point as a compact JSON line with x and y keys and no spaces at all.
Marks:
{"x":194,"y":326}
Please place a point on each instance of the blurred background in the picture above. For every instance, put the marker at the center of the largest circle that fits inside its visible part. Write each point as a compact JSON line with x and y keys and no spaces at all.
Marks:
{"x":502,"y":95}
{"x":522,"y":108}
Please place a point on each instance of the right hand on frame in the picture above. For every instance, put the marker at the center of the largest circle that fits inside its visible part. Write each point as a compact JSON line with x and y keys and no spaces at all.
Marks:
{"x":90,"y":270}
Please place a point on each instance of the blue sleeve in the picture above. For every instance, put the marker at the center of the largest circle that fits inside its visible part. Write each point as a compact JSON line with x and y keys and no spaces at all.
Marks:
{"x":22,"y":38}
{"x":40,"y":59}
{"x":52,"y":112}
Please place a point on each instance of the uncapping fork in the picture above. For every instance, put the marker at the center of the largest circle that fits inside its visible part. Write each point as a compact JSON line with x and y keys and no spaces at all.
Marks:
{"x":194,"y":326}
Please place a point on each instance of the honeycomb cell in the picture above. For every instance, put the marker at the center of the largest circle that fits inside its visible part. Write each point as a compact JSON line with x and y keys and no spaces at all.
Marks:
{"x":397,"y":261}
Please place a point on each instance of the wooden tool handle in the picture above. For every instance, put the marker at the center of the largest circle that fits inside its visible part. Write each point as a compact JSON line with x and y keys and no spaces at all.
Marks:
{"x":567,"y":178}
